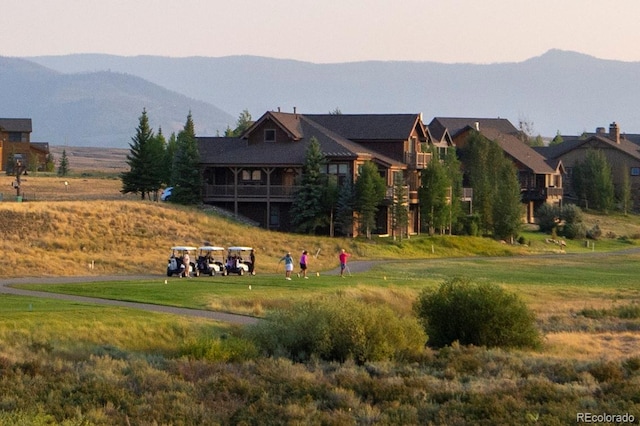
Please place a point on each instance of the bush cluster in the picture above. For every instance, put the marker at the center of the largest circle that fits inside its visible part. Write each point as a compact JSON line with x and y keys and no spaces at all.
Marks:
{"x":480,"y":314}
{"x":566,"y":221}
{"x":338,"y":329}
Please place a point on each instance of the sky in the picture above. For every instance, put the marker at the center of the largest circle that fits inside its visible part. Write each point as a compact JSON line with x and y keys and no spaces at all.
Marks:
{"x":329,"y":31}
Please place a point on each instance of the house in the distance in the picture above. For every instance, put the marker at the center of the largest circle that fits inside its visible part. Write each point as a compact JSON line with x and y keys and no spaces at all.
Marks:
{"x":541,"y":178}
{"x":620,"y":150}
{"x":257,"y":175}
{"x":15,"y":144}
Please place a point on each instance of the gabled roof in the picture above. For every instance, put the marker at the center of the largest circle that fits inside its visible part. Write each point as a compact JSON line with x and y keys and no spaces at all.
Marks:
{"x":556,"y":151}
{"x":15,"y":124}
{"x":455,"y":125}
{"x":370,"y":127}
{"x":237,"y":151}
{"x":520,"y":151}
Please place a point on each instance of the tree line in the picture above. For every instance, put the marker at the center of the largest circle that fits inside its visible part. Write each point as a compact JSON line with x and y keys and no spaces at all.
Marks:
{"x":155,"y":162}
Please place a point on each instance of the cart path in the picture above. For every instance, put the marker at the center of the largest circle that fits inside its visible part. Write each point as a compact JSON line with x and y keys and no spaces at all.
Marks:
{"x":5,"y":288}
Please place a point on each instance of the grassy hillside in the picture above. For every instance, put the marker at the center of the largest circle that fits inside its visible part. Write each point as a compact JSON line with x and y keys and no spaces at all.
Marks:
{"x":62,"y":229}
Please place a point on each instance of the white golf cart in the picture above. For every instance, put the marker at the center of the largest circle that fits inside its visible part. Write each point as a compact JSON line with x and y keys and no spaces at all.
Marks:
{"x":210,"y":260}
{"x":238,"y":260}
{"x":176,"y":264}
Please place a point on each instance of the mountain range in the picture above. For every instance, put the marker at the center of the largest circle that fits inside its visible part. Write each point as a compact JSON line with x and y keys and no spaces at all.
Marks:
{"x":95,"y":99}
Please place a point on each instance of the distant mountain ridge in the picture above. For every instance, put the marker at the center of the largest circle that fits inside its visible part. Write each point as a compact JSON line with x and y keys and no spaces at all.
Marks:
{"x":95,"y":109}
{"x":557,"y":91}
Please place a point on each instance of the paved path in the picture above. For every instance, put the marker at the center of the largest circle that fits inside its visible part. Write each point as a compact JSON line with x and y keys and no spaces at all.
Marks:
{"x":217,"y":316}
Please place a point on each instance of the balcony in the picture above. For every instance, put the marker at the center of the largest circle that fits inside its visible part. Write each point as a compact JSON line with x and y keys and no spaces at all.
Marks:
{"x":417,"y":160}
{"x":249,"y":192}
{"x":540,"y":194}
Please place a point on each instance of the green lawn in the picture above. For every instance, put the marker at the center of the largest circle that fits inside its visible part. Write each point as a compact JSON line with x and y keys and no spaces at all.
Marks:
{"x":558,"y":276}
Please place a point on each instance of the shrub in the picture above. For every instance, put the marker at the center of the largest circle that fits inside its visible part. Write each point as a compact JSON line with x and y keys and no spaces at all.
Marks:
{"x":338,"y":329}
{"x":548,"y":217}
{"x":571,"y":214}
{"x":481,"y":314}
{"x":574,"y":231}
{"x":595,"y":232}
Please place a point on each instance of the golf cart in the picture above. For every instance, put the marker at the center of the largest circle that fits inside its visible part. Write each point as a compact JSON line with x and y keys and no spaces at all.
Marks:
{"x":210,"y":260}
{"x":238,"y":261}
{"x":176,"y":264}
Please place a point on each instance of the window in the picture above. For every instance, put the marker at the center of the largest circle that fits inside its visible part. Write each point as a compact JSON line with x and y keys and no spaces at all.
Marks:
{"x":17,"y":137}
{"x":635,"y":171}
{"x":251,"y":175}
{"x":274,"y":216}
{"x":269,"y":135}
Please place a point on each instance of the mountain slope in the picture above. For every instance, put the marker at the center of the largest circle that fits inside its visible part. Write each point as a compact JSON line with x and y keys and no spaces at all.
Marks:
{"x":96,"y":108}
{"x":559,"y":90}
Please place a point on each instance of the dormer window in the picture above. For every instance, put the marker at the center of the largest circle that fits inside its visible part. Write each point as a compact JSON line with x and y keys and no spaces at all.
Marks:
{"x":269,"y":135}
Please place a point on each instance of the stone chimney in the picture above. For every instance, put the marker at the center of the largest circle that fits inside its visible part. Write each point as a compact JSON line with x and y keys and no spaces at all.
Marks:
{"x":614,"y":132}
{"x":477,"y":125}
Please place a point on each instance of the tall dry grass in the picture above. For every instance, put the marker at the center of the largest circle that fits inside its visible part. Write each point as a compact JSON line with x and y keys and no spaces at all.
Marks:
{"x":90,"y":228}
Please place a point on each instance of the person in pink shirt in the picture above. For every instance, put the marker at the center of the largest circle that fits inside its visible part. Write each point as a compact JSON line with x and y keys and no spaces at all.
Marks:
{"x":304,"y":263}
{"x":343,"y":261}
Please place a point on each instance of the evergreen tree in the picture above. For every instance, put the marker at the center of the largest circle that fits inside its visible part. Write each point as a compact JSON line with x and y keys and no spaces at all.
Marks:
{"x":593,"y":181}
{"x":50,"y":164}
{"x":169,"y":155}
{"x":625,"y":196}
{"x":157,"y":152}
{"x":186,"y":171}
{"x":308,"y":208}
{"x":480,"y":169}
{"x":454,"y":173}
{"x":345,"y":208}
{"x":433,"y":195}
{"x":496,"y":189}
{"x":330,"y":197}
{"x":557,"y":139}
{"x":243,"y":123}
{"x":508,"y":208}
{"x":370,"y":190}
{"x":63,"y":165}
{"x":140,"y":177}
{"x":399,"y":207}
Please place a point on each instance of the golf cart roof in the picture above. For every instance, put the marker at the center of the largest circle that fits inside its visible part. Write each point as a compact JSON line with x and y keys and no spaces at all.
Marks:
{"x":239,"y":248}
{"x":211,"y":248}
{"x":189,"y":248}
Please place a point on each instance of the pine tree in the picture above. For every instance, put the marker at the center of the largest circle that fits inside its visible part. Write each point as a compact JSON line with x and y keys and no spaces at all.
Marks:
{"x":433,"y":194}
{"x":169,"y":155}
{"x":63,"y":166}
{"x":345,"y":208}
{"x":186,"y":172}
{"x":308,"y":208}
{"x":140,"y":177}
{"x":399,"y":207}
{"x":507,"y":209}
{"x":593,"y":181}
{"x":454,"y":173}
{"x":370,"y":190}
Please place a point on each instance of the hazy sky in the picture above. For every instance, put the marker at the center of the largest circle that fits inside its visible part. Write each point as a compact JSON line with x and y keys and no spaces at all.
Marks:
{"x":477,"y":31}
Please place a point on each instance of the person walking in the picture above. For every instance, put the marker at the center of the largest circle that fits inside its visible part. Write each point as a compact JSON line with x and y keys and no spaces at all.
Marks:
{"x":343,"y":261}
{"x":304,"y":259}
{"x":187,"y":264}
{"x":288,"y":265}
{"x":252,"y":265}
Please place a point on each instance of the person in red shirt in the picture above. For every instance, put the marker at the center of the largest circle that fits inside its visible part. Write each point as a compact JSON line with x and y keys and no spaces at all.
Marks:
{"x":343,"y":261}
